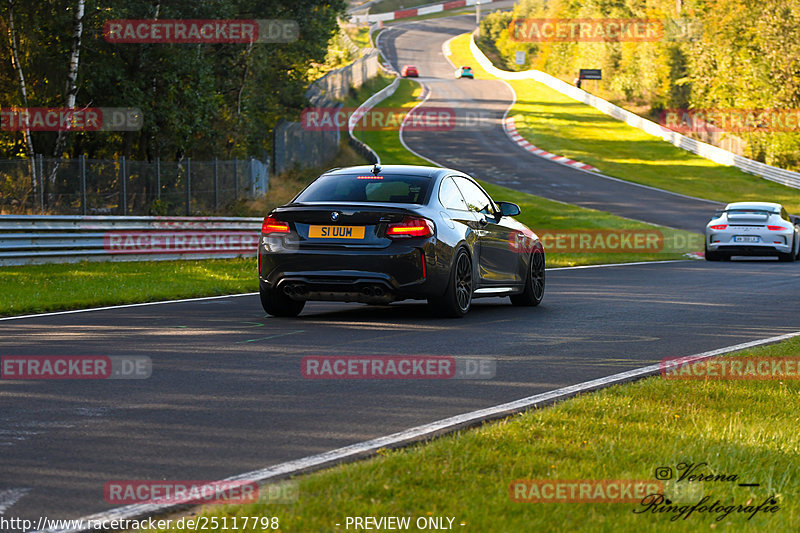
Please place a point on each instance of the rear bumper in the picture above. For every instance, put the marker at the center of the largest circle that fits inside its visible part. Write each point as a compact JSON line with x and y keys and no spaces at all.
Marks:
{"x":358,"y":288}
{"x":723,"y":242}
{"x":397,"y":272}
{"x":749,"y":249}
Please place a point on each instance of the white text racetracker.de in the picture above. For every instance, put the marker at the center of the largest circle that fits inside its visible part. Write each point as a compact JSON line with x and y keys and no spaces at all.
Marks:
{"x":383,"y":523}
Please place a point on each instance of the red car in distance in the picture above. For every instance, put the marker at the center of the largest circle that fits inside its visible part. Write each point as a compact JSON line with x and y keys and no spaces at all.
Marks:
{"x":409,"y":71}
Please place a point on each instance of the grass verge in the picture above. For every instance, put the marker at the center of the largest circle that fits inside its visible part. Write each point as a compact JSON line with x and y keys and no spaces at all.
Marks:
{"x":563,"y":126}
{"x":42,"y":288}
{"x":745,"y":429}
{"x":386,"y":142}
{"x":358,"y":34}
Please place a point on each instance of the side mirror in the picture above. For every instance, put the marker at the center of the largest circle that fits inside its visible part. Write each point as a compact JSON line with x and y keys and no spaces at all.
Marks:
{"x":507,"y":209}
{"x":717,"y":214}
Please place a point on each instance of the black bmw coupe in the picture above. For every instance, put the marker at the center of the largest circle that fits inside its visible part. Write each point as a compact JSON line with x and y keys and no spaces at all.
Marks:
{"x":382,"y":234}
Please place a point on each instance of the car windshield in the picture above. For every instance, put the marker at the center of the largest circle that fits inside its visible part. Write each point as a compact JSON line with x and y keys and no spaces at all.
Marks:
{"x":398,"y":189}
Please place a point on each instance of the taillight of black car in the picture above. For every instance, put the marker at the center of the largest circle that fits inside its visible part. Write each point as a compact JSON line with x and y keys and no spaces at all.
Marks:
{"x":272,"y":226}
{"x":410,"y":227}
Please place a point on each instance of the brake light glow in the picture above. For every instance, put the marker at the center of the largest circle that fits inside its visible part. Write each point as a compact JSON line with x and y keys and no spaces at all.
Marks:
{"x":272,"y":225}
{"x":719,"y":226}
{"x":410,"y":227}
{"x":776,"y":228}
{"x":369,"y":177}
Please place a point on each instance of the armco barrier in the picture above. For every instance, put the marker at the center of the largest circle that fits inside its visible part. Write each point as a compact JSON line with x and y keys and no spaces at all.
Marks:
{"x":415,"y":11}
{"x":714,"y":153}
{"x":26,"y":240}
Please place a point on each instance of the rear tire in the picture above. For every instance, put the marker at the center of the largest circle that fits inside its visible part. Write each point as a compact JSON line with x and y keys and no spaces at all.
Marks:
{"x":788,"y":257}
{"x":534,"y":283}
{"x":276,"y":303}
{"x":458,"y":297}
{"x":713,"y":256}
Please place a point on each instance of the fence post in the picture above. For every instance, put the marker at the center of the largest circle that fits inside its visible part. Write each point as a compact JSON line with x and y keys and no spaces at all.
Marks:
{"x":158,"y":178}
{"x":252,"y":177}
{"x":123,"y":178}
{"x":40,"y":164}
{"x":82,"y":162}
{"x":216,"y":185}
{"x":34,"y":183}
{"x":188,"y":186}
{"x":235,"y":179}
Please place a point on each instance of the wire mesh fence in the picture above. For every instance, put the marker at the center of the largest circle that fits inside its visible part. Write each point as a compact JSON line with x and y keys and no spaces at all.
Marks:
{"x":85,"y":186}
{"x":295,"y":146}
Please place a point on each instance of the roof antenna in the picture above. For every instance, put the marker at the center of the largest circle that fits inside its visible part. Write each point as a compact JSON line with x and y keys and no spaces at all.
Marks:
{"x":376,"y":169}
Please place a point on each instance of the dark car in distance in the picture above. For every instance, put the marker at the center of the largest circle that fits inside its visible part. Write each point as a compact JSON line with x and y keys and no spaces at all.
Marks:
{"x":375,"y":235}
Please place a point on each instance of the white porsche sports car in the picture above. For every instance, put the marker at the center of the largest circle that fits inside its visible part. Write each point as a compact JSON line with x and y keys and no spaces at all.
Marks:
{"x":752,"y":228}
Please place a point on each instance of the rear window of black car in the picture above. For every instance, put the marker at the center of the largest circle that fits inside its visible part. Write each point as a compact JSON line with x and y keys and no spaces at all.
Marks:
{"x":397,"y":189}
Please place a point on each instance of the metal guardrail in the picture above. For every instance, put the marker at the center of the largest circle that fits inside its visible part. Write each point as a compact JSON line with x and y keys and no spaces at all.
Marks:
{"x":357,"y":16}
{"x":38,"y":239}
{"x":713,"y":153}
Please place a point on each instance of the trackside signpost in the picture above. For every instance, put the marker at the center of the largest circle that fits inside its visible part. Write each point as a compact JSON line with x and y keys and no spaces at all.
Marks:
{"x":590,"y":74}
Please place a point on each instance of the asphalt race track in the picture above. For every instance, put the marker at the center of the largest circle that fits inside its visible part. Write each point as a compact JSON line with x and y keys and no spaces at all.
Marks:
{"x":226,"y":395}
{"x":479,"y":146}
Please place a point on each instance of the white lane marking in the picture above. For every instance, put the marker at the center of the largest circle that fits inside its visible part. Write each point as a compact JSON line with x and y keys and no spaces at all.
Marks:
{"x":447,"y":52}
{"x":112,"y":307}
{"x":20,"y":425}
{"x":402,"y":124}
{"x":425,"y":432}
{"x":124,"y":306}
{"x":606,"y":265}
{"x":10,"y":497}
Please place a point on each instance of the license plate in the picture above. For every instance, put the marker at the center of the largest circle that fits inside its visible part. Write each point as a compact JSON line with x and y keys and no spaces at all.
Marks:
{"x":336,"y":232}
{"x":746,"y":238}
